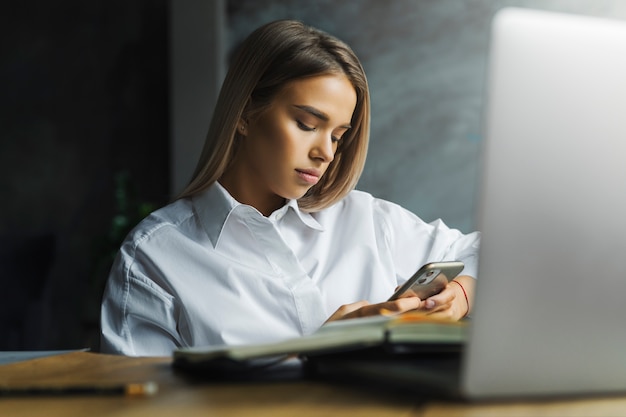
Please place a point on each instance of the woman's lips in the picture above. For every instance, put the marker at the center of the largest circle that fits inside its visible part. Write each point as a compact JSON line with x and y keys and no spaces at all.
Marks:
{"x":311,"y":176}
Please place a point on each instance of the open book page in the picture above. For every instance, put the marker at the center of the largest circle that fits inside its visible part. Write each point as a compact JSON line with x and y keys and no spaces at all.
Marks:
{"x":340,"y":335}
{"x":419,"y":328}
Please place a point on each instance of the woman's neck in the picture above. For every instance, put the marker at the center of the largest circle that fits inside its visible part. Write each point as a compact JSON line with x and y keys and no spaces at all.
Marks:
{"x":246,"y":192}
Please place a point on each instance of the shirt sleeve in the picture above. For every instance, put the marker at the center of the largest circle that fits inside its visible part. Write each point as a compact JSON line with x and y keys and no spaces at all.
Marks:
{"x":414,"y":242}
{"x":138,"y":317}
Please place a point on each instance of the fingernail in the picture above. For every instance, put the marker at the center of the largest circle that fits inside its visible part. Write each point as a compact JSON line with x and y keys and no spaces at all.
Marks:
{"x":430,"y":304}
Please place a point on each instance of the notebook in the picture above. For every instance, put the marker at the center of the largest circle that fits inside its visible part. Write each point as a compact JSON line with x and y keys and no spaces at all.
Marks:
{"x":549,"y":317}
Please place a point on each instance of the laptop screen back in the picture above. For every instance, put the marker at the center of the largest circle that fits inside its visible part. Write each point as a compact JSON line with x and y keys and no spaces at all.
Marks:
{"x":550,"y":308}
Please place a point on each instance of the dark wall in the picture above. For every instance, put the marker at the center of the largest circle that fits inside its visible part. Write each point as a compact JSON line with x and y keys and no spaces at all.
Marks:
{"x":84,"y":100}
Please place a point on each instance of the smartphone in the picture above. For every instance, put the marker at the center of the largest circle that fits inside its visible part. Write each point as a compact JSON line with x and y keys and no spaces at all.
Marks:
{"x":429,"y":280}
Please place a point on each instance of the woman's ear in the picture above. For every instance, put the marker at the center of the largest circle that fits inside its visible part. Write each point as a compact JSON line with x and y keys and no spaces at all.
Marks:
{"x":242,"y":127}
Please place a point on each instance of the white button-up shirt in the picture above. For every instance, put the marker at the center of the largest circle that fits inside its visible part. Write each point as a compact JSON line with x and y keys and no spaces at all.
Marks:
{"x":208,"y":270}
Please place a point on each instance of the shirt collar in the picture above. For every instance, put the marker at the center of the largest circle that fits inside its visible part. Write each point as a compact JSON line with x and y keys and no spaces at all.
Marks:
{"x":215,"y":205}
{"x":304,"y":216}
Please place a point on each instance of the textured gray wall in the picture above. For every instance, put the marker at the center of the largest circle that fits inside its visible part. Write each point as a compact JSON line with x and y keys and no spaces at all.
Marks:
{"x":195,"y":27}
{"x":425,"y":61}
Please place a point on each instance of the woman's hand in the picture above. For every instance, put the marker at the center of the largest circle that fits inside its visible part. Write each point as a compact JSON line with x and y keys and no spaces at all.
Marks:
{"x":363,"y":308}
{"x":454,"y":302}
{"x":450,"y":304}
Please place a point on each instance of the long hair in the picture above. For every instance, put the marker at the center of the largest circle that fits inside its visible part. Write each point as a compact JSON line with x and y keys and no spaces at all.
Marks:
{"x":269,"y":58}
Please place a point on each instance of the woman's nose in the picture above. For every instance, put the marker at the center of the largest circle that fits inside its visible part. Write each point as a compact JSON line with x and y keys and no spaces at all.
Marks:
{"x":324,"y":148}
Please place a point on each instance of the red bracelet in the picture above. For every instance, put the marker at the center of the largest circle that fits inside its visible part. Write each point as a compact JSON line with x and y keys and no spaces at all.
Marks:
{"x":466,"y":299}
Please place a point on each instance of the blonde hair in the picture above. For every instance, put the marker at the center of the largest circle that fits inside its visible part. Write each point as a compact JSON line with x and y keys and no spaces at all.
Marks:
{"x":272,"y":56}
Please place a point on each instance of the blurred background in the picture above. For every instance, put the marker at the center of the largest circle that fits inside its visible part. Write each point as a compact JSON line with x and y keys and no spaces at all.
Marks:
{"x":105,"y":105}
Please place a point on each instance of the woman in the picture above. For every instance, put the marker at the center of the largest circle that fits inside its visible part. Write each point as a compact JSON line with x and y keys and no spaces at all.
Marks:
{"x":269,"y":240}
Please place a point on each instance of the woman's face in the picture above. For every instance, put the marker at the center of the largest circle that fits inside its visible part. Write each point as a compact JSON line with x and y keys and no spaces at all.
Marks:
{"x":288,"y":147}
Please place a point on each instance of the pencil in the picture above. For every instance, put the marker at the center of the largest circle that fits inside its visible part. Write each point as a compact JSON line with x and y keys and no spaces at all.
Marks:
{"x":143,"y":389}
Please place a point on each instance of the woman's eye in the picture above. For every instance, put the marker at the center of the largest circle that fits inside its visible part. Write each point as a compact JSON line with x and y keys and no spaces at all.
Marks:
{"x":305,"y":127}
{"x":340,"y":137}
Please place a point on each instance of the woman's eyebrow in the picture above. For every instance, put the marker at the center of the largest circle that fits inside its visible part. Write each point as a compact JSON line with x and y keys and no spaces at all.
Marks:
{"x":317,"y":113}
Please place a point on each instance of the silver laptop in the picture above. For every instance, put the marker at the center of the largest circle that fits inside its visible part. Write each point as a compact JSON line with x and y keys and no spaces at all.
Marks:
{"x":550,"y":309}
{"x":550,"y":316}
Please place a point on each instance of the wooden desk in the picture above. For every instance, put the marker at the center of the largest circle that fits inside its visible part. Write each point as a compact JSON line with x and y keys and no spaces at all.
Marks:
{"x":180,"y":397}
